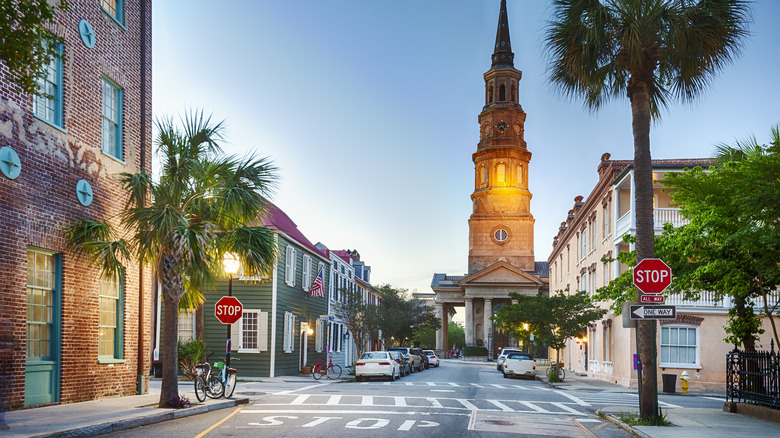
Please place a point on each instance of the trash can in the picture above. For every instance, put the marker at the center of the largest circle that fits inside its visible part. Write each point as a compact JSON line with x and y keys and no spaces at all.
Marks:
{"x":669,"y":382}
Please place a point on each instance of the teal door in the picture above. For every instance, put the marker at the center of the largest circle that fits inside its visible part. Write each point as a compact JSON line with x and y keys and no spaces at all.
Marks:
{"x":42,"y":368}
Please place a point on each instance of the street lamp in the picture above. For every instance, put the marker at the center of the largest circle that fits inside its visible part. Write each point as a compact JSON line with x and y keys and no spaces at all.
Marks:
{"x":231,"y":265}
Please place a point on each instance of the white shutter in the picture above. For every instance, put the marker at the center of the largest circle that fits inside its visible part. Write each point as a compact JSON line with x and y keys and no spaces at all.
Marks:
{"x":286,"y":342}
{"x":318,"y":336}
{"x":235,"y":335}
{"x":306,"y":274}
{"x":292,"y":332}
{"x":262,"y":331}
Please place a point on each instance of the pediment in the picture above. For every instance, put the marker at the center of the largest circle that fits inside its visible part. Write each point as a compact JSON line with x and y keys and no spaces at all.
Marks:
{"x":502,"y":273}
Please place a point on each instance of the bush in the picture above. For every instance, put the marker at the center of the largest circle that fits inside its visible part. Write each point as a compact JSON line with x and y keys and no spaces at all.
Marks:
{"x":474,"y":351}
{"x":191,"y":352}
{"x":179,"y":402}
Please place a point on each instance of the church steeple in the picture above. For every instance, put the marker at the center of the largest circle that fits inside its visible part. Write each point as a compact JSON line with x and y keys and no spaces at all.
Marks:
{"x":503,"y":56}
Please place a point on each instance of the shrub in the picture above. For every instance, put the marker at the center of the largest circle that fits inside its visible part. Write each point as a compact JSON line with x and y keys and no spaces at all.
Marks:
{"x":474,"y":351}
{"x":191,"y":352}
{"x":179,"y":402}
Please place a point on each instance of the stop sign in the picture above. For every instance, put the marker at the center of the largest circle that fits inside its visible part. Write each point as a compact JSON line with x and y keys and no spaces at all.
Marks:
{"x":228,"y":310}
{"x":652,"y":276}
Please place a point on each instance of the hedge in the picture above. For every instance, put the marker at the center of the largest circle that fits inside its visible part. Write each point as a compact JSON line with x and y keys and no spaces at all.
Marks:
{"x":474,"y":351}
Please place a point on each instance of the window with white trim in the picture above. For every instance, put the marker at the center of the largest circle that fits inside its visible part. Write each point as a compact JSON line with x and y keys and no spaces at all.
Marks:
{"x":112,"y":119}
{"x":607,"y":349}
{"x":319,"y":332}
{"x":186,"y":325}
{"x":584,"y":282}
{"x":48,"y":105}
{"x":606,"y":220}
{"x":250,"y":333}
{"x":289,"y":332}
{"x":593,"y":237}
{"x":306,"y":274}
{"x":593,"y":282}
{"x":679,"y":346}
{"x":584,"y":239}
{"x":289,"y":266}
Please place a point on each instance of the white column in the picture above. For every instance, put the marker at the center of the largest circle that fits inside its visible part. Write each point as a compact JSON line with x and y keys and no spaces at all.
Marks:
{"x":469,"y":329}
{"x":488,"y":324}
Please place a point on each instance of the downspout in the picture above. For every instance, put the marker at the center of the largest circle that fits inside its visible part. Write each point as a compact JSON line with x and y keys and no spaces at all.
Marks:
{"x":274,"y":287}
{"x":141,"y":374}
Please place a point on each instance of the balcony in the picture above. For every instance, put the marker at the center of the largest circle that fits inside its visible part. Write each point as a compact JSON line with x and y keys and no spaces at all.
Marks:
{"x":661,"y":216}
{"x":708,"y":300}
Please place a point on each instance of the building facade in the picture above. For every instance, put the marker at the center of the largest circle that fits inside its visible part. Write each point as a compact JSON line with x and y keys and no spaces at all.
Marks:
{"x":501,"y":226}
{"x":594,"y":231}
{"x":72,"y":335}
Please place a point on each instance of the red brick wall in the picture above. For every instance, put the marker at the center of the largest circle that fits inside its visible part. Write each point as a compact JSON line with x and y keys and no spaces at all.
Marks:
{"x":35,"y":206}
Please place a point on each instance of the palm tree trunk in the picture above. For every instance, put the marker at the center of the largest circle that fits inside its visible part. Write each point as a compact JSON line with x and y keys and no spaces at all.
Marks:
{"x":200,"y":323}
{"x":171,"y":287}
{"x":645,"y":248}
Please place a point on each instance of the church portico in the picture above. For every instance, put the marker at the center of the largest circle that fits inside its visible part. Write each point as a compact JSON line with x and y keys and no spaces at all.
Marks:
{"x":501,"y":226}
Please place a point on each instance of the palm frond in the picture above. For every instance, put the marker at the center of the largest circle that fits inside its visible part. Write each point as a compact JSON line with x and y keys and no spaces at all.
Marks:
{"x":96,"y":241}
{"x":254,"y":246}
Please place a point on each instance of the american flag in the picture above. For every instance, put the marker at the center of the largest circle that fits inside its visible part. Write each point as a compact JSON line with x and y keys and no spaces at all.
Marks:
{"x":317,"y":289}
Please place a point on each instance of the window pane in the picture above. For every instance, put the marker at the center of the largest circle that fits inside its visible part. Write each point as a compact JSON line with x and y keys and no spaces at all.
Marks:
{"x":664,"y":336}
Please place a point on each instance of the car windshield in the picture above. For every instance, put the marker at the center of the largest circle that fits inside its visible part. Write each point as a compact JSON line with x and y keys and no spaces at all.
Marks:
{"x":374,"y":355}
{"x":506,"y":352}
{"x":519,"y":356}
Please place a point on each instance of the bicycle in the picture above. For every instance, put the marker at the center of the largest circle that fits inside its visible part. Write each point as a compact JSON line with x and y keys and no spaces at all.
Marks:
{"x":561,"y":371}
{"x":332,"y":370}
{"x":206,"y":383}
{"x":227,"y":376}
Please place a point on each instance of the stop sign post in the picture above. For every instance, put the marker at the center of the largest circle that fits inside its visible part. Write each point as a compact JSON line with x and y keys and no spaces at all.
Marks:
{"x":652,"y":276}
{"x":228,"y":310}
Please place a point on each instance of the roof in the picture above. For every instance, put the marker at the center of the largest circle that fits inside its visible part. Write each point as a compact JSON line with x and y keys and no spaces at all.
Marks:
{"x":444,"y":280}
{"x":503,"y":56}
{"x":542,"y":269}
{"x":276,"y":219}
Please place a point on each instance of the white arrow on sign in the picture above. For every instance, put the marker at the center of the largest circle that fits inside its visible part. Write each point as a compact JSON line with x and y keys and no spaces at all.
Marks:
{"x":653,"y":312}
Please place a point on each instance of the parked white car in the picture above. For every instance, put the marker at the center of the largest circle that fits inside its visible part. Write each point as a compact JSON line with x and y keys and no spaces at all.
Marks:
{"x":519,"y":364}
{"x":502,"y":356}
{"x":377,"y":364}
{"x":432,"y":358}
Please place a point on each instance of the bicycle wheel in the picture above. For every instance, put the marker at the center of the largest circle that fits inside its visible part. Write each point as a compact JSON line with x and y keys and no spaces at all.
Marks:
{"x":215,"y":388}
{"x":230,"y":385}
{"x":200,"y":388}
{"x":334,"y":371}
{"x":561,"y":373}
{"x":316,"y":372}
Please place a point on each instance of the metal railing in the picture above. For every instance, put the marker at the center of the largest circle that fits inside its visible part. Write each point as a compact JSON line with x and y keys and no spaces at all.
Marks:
{"x":753,"y":377}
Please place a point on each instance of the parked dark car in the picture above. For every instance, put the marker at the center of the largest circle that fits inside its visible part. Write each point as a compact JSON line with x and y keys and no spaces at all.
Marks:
{"x":425,"y":360}
{"x":403,"y":361}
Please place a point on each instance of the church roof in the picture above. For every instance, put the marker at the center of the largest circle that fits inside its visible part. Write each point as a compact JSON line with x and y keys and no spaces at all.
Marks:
{"x":542,"y":269}
{"x":503,"y":56}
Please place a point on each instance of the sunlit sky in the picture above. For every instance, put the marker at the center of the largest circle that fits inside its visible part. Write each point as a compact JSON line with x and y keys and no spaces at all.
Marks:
{"x":369,"y":108}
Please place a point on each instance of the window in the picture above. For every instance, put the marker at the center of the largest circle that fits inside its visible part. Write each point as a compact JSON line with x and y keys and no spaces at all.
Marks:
{"x":593,"y":237}
{"x":110,"y":336}
{"x":584,"y":250}
{"x":49,"y":106}
{"x":606,"y":220}
{"x":501,"y":93}
{"x":519,"y":181}
{"x":114,"y":8}
{"x":593,"y":282}
{"x":289,"y":266}
{"x":607,"y":350}
{"x":501,"y":173}
{"x":501,"y":235}
{"x":112,"y":119}
{"x":584,"y":282}
{"x":41,"y":303}
{"x":482,"y":175}
{"x":319,"y":332}
{"x":306,"y":274}
{"x":289,"y":332}
{"x":678,"y":346}
{"x":186,"y":325}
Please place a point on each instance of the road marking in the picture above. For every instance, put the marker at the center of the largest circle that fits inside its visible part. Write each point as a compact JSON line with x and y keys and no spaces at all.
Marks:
{"x":498,"y":386}
{"x":409,"y":383}
{"x":501,"y":406}
{"x":215,"y":425}
{"x":566,"y":408}
{"x":467,"y":404}
{"x":301,"y":389}
{"x":590,"y":434}
{"x":400,"y":401}
{"x":352,"y":411}
{"x":367,"y":400}
{"x":334,"y":400}
{"x":534,"y":407}
{"x":715,"y":398}
{"x":434,"y":403}
{"x":574,"y":399}
{"x":453,"y":384}
{"x":320,"y":420}
{"x":378,"y":423}
{"x":477,"y":385}
{"x":300,"y":399}
{"x":442,"y":390}
{"x":431,"y":383}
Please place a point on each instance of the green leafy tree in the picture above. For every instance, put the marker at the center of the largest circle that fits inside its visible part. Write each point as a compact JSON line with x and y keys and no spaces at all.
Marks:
{"x":360,"y":318}
{"x":401,"y":316}
{"x":732,"y":241}
{"x":552,"y":320}
{"x":185,"y":223}
{"x":651,"y":51}
{"x":26,"y":47}
{"x":426,"y":336}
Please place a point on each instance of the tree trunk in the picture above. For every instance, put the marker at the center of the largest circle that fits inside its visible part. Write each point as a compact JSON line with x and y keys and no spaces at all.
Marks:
{"x":171,"y":292}
{"x":200,"y":323}
{"x":645,"y":233}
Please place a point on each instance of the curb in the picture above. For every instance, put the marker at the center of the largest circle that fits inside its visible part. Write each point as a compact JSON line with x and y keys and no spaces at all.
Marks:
{"x":130,"y":423}
{"x":616,"y":421}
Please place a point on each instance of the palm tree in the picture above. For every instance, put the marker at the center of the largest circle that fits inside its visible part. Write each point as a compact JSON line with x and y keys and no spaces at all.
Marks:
{"x":747,"y":148}
{"x":199,"y":209}
{"x":652,"y":51}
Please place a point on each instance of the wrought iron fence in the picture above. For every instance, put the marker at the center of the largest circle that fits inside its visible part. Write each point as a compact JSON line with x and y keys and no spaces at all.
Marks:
{"x":753,"y":377}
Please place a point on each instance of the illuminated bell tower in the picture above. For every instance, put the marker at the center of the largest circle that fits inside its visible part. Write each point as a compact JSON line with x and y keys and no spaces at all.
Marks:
{"x":501,"y":227}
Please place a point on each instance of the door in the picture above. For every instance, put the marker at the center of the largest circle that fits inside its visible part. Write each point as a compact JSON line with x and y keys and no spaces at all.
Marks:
{"x":42,"y":365}
{"x":304,"y":344}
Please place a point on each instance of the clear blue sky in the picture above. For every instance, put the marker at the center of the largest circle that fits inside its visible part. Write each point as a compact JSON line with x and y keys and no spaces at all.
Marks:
{"x":369,"y":108}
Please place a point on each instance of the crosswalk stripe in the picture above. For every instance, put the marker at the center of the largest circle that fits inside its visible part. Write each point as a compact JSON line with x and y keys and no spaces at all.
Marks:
{"x":574,"y":398}
{"x":467,"y":404}
{"x":566,"y":408}
{"x":367,"y":400}
{"x":431,"y":384}
{"x":454,"y":384}
{"x":400,"y":401}
{"x":434,"y":403}
{"x":498,"y":386}
{"x":334,"y":400}
{"x":477,"y":385}
{"x":300,"y":399}
{"x":501,"y":406}
{"x":534,"y":407}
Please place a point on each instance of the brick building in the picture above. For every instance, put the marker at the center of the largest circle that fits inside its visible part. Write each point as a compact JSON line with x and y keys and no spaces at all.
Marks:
{"x":73,"y":335}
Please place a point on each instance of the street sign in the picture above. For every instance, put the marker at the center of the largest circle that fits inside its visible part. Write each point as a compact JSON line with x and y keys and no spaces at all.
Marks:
{"x":652,"y":312}
{"x":327,"y":317}
{"x":652,"y":276}
{"x":228,"y":310}
{"x":655,"y":299}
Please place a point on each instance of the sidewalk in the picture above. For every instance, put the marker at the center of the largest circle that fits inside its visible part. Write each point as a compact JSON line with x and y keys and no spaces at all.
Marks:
{"x":104,"y":416}
{"x":686,"y":422}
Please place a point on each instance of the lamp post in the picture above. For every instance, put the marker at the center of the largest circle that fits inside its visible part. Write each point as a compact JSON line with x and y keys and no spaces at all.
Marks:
{"x":231,"y":265}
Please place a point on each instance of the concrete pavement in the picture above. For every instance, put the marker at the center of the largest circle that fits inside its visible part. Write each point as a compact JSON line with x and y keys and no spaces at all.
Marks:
{"x":686,"y":422}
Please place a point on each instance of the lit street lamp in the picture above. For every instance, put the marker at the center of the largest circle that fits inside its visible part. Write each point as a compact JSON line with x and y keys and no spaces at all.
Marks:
{"x":231,"y":265}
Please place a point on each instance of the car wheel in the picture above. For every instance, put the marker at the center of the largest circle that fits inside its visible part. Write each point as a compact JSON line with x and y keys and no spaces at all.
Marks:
{"x":506,"y":376}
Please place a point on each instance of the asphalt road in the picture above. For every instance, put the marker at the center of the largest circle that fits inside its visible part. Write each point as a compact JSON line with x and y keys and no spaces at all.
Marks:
{"x":454,"y":400}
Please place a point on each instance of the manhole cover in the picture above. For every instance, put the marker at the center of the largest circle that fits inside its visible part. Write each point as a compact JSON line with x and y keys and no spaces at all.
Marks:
{"x":500,"y":422}
{"x":251,"y":393}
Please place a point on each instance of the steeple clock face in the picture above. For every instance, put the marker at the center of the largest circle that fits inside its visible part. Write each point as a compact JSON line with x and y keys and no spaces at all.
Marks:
{"x":502,"y":126}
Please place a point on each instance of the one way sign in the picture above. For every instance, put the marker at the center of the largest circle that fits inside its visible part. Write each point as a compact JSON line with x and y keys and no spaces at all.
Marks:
{"x":653,"y":312}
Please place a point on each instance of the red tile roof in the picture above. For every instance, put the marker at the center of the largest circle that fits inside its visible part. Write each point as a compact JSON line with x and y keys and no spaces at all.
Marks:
{"x":276,"y":219}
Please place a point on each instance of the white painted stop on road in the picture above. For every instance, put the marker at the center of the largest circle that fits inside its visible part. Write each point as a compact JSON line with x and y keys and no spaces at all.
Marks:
{"x":652,"y":276}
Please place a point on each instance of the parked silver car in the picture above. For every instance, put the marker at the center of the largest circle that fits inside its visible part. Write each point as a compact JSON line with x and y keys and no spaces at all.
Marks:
{"x":414,"y":359}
